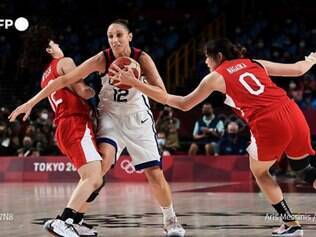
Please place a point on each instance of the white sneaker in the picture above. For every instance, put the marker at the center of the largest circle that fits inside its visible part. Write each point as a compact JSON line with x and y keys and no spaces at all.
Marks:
{"x":289,"y":231}
{"x":48,"y":223}
{"x":60,"y":228}
{"x":85,"y":230}
{"x":173,"y":228}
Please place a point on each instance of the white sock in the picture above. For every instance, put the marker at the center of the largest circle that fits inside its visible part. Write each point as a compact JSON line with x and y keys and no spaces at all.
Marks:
{"x":168,"y":213}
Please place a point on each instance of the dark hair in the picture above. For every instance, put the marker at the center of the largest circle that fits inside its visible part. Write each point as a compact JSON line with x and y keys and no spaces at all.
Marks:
{"x":35,"y":42}
{"x":123,"y":22}
{"x":226,"y":48}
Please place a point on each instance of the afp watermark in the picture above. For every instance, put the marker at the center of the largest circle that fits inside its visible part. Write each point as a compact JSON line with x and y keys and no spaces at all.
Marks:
{"x":20,"y":24}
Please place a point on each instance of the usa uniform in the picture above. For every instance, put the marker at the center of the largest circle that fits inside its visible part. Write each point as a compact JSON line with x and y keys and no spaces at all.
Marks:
{"x":74,"y":130}
{"x":276,"y":123}
{"x":125,"y":120}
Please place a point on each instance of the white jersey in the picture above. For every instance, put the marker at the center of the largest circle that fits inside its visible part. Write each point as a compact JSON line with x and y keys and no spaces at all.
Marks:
{"x":125,"y":120}
{"x":120,"y":101}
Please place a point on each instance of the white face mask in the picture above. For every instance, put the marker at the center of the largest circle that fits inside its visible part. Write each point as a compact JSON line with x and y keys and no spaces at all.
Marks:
{"x":44,"y":116}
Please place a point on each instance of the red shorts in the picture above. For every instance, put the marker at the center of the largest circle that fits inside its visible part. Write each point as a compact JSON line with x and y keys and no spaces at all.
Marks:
{"x":76,"y":139}
{"x":280,"y":131}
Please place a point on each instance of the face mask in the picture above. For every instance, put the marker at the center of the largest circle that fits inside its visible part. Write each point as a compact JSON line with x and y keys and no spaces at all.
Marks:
{"x":44,"y":116}
{"x":27,"y":145}
{"x":161,"y":141}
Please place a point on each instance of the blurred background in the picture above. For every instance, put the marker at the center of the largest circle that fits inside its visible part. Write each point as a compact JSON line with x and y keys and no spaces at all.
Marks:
{"x":173,"y":33}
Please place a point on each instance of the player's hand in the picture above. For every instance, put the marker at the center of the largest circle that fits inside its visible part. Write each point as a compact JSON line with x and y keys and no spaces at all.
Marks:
{"x":311,"y":58}
{"x":123,"y":76}
{"x":25,"y":109}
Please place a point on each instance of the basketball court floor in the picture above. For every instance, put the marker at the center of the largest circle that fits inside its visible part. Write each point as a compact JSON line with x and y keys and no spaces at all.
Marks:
{"x":128,"y":209}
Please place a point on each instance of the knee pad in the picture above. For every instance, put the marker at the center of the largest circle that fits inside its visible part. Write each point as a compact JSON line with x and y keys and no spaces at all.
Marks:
{"x":96,"y":192}
{"x":303,"y":169}
{"x":298,"y":165}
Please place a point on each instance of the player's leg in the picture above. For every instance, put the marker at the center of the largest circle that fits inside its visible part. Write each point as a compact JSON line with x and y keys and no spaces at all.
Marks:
{"x":108,"y":148}
{"x":108,"y":152}
{"x":142,"y":145}
{"x":65,"y":224}
{"x":161,"y":191}
{"x":273,"y":193}
{"x":88,"y":161}
{"x":267,"y":184}
{"x":90,"y":180}
{"x":78,"y":144}
{"x":265,"y":148}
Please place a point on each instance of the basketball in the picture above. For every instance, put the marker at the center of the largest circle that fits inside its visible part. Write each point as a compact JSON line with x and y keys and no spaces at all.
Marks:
{"x":125,"y":63}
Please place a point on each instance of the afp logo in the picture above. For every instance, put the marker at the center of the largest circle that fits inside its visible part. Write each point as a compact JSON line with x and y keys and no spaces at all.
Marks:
{"x":20,"y":24}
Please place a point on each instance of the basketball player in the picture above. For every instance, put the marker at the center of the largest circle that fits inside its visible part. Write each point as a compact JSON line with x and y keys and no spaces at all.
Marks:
{"x":125,"y":118}
{"x":74,"y":132}
{"x":265,"y":107}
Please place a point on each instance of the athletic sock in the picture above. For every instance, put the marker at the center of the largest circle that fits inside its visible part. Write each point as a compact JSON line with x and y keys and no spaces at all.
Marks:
{"x":284,"y":211}
{"x":68,"y":215}
{"x":168,"y":213}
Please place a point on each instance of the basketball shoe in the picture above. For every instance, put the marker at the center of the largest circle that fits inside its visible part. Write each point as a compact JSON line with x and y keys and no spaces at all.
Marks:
{"x":289,"y":231}
{"x":85,"y":230}
{"x":173,"y":228}
{"x":61,"y":228}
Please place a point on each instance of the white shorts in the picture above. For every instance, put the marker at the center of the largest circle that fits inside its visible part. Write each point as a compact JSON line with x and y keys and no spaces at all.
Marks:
{"x":136,"y":132}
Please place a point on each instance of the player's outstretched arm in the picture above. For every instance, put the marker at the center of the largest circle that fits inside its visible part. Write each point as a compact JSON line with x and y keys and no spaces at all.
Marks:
{"x":211,"y":82}
{"x":83,"y":70}
{"x":65,"y":66}
{"x":84,"y":91}
{"x":289,"y":70}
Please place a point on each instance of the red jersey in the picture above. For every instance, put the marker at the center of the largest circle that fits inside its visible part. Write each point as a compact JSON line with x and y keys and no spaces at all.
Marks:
{"x":64,"y":102}
{"x":249,"y":89}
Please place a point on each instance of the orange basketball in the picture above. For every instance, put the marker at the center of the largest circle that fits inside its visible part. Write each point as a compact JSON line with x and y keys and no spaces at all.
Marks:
{"x":125,"y":63}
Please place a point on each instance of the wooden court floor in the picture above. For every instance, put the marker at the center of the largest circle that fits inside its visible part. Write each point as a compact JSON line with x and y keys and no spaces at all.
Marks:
{"x":128,"y":209}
